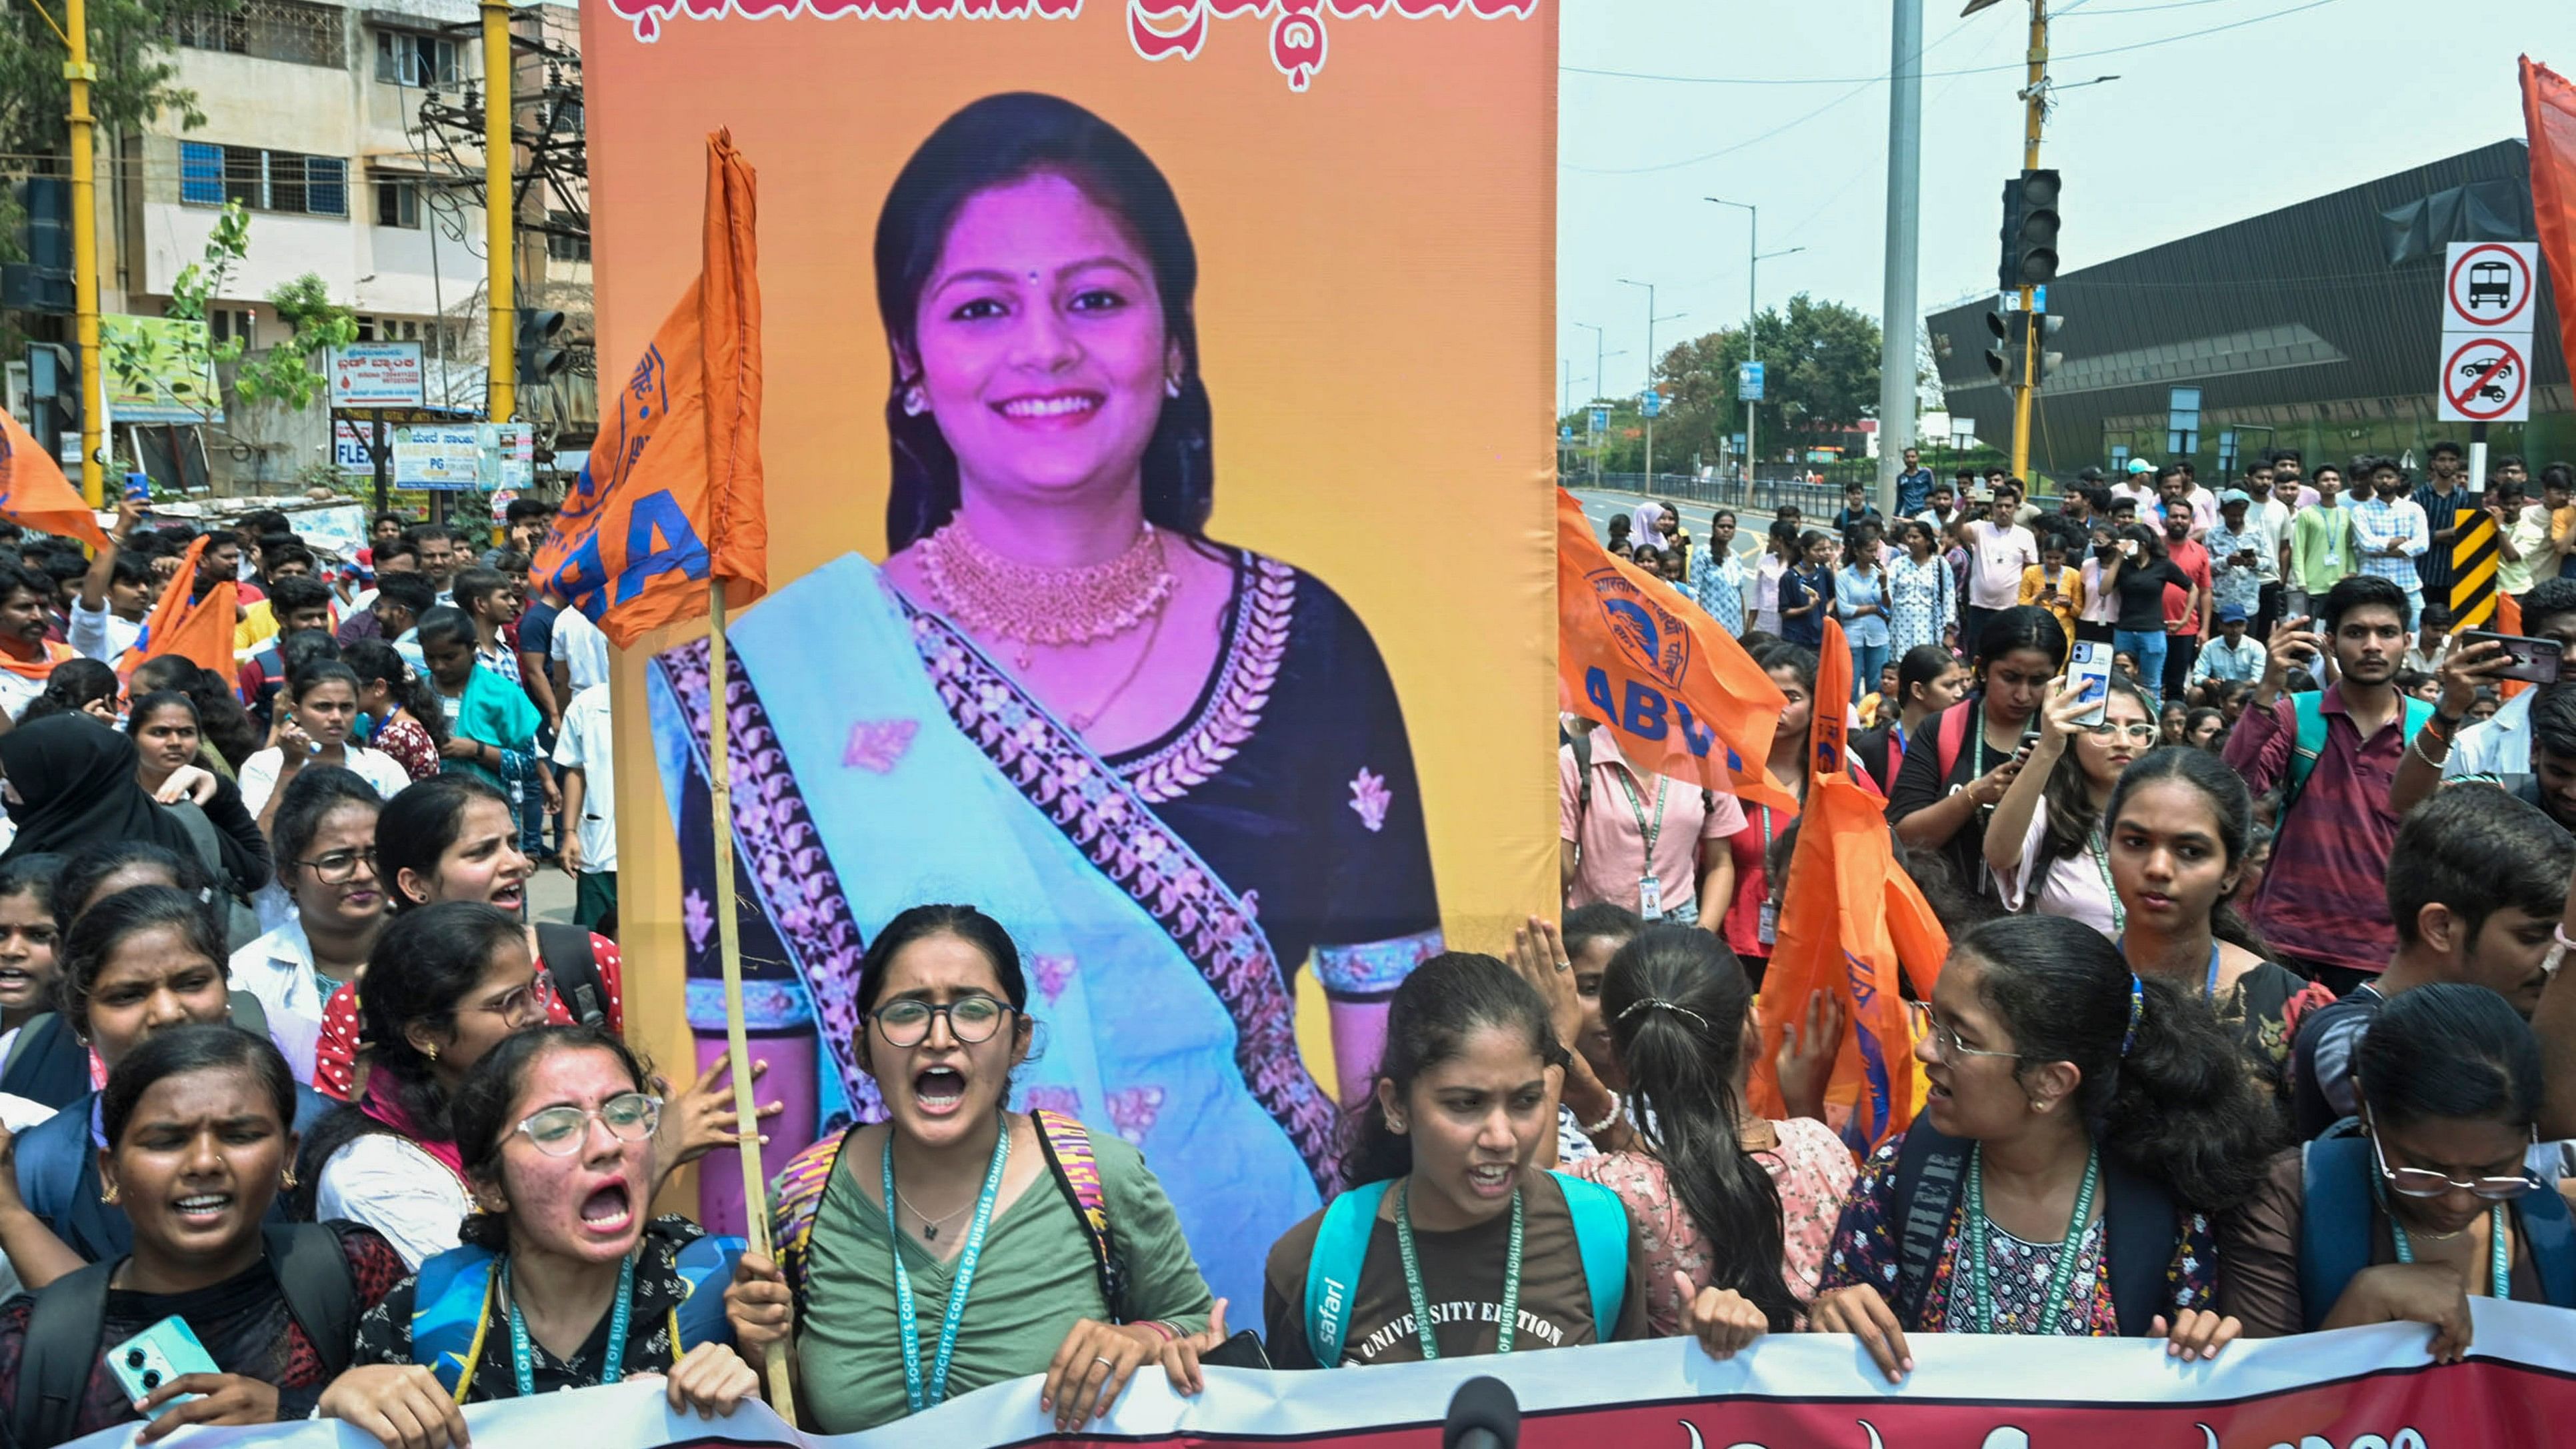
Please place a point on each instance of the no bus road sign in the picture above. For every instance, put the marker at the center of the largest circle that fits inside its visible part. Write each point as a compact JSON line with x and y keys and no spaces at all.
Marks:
{"x":2485,"y":379}
{"x":2491,"y":288}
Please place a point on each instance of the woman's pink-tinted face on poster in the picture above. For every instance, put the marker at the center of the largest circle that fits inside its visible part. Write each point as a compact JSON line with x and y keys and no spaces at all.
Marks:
{"x":1043,"y":354}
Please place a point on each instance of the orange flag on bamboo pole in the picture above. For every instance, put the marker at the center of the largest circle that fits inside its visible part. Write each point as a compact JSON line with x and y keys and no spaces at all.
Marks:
{"x":672,"y":493}
{"x":34,"y":493}
{"x":200,"y":630}
{"x":2549,"y":123}
{"x":1682,"y":697}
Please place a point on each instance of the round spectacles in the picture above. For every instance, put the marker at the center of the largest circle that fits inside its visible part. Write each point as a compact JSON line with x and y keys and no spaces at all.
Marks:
{"x":2425,"y":1182}
{"x":339,"y":867}
{"x":1945,"y":1038}
{"x":2134,"y":729}
{"x":560,"y":1131}
{"x":971,"y":1019}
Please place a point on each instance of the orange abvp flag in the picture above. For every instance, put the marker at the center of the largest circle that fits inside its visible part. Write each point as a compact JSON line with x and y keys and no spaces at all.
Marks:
{"x":672,"y":493}
{"x":34,"y":493}
{"x":201,"y":632}
{"x":1682,"y":695}
{"x":2549,"y":123}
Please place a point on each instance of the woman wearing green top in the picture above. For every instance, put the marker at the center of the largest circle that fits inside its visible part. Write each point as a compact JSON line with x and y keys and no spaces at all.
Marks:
{"x":942,"y":1249}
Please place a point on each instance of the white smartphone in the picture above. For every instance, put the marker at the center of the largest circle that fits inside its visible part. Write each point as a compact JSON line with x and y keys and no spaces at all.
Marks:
{"x":2091,"y":675}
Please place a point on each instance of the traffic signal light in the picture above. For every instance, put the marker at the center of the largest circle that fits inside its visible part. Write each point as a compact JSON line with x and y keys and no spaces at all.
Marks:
{"x":54,"y":388}
{"x":2044,"y":326}
{"x":2029,"y":231}
{"x":2004,"y":357}
{"x":43,"y":282}
{"x":539,"y":360}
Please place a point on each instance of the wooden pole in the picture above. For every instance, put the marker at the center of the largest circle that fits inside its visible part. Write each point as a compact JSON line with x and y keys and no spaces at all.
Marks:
{"x":755,"y":1192}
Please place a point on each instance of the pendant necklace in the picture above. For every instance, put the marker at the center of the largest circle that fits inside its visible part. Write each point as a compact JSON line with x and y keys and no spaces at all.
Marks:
{"x":930,"y":1226}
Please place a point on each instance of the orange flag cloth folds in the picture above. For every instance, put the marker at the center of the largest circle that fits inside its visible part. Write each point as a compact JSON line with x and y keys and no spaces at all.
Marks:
{"x":2549,"y":123}
{"x":672,"y":493}
{"x":1682,"y":695}
{"x":201,"y":632}
{"x":33,"y":491}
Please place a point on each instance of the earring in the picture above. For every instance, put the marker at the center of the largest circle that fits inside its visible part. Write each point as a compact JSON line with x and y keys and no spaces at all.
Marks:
{"x":1395,"y":1124}
{"x":914,"y":404}
{"x":287,"y":1183}
{"x":109,"y":1196}
{"x":430,"y":1052}
{"x":1171,"y":387}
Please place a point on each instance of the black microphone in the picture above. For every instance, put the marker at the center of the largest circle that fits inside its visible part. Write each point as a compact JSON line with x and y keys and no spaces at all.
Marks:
{"x":1482,"y":1415}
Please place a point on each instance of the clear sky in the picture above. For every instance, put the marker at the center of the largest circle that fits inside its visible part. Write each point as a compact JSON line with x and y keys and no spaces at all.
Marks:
{"x":2197,"y":132}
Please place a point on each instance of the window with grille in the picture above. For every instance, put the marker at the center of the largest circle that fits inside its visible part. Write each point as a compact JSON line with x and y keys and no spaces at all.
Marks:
{"x":233,"y":324}
{"x":409,"y":59}
{"x":567,"y":248}
{"x":268,"y":30}
{"x":398,"y":204}
{"x":263,"y":180}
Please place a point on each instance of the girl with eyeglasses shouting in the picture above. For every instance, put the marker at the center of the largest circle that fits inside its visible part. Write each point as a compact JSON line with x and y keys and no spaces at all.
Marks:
{"x":2180,"y":827}
{"x":563,"y":1282}
{"x":2045,"y":843}
{"x":949,"y":1246}
{"x":2083,"y":1128}
{"x":2422,"y":1203}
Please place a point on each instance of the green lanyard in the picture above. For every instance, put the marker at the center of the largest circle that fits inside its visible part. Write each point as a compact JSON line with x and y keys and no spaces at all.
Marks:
{"x":2499,"y":1261}
{"x":2102,"y":863}
{"x":1976,"y":1247}
{"x":907,"y":1327}
{"x":1653,"y":832}
{"x":1413,"y":1275}
{"x":523,"y":1358}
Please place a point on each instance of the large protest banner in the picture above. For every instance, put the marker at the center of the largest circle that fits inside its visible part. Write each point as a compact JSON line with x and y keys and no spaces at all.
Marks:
{"x":1276,"y":279}
{"x":2368,"y":1388}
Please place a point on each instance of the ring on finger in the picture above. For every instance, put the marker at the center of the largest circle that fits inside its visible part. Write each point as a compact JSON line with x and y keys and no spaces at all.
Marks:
{"x":1564,"y":965}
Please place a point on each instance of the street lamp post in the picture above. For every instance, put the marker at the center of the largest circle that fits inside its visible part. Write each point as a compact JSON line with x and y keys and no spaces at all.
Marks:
{"x":1651,"y":320}
{"x":1754,"y":258}
{"x":1598,"y":357}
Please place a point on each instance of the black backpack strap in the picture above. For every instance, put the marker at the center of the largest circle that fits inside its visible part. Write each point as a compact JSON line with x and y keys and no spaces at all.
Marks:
{"x":321,"y":1292}
{"x":62,"y":1346}
{"x":1582,"y":746}
{"x":2140,"y":1220}
{"x":566,"y":952}
{"x":1067,"y":1145}
{"x":1931,"y":1172}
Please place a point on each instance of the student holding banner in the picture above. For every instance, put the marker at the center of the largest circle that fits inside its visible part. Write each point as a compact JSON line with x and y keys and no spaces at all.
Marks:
{"x":2083,"y":1127}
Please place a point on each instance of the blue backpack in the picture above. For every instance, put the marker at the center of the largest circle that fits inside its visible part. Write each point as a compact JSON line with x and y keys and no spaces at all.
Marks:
{"x":452,"y":1306}
{"x":2336,"y":1227}
{"x":2309,"y":741}
{"x":1342,"y":1244}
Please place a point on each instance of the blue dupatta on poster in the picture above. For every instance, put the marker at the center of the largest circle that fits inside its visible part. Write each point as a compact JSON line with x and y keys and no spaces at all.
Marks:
{"x":880,"y":762}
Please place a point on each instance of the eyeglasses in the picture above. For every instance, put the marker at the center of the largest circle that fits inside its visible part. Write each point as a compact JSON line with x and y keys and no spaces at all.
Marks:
{"x":560,"y":1131}
{"x":1945,"y":1039}
{"x":340,"y":866}
{"x":2425,"y":1182}
{"x":524,"y":1007}
{"x":2134,"y":729}
{"x":971,"y":1019}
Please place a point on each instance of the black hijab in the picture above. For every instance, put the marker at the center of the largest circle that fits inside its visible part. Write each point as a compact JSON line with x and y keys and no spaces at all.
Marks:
{"x":75,"y":782}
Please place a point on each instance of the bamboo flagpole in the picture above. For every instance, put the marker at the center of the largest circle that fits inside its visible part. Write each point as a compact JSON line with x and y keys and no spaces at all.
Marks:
{"x":755,"y":1188}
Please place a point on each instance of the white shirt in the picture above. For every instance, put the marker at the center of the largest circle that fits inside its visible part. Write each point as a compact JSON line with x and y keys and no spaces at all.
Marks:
{"x":1996,"y":557}
{"x":582,"y":648}
{"x":584,"y":744}
{"x":102,"y":635}
{"x":278,"y":969}
{"x":17,"y":691}
{"x":258,"y":781}
{"x":2497,"y":745}
{"x":392,"y":1186}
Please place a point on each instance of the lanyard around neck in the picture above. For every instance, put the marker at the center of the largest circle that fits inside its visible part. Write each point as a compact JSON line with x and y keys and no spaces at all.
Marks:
{"x":1413,"y":1275}
{"x":1977,"y":1246}
{"x":907,"y":1325}
{"x":2499,"y":1259}
{"x":1652,"y":832}
{"x":612,"y":1368}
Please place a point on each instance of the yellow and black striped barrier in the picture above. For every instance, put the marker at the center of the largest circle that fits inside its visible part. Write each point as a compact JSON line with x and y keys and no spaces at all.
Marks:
{"x":2473,"y":570}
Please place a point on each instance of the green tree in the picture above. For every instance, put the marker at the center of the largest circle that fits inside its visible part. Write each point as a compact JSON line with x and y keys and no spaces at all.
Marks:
{"x":285,"y":373}
{"x":130,"y":42}
{"x":1820,"y":364}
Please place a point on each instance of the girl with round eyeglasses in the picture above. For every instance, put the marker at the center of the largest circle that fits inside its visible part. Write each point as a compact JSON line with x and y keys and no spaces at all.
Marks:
{"x":2424,"y":1202}
{"x":2046,"y":843}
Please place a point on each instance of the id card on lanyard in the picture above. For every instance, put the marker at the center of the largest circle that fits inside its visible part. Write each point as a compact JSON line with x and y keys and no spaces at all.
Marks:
{"x":1650,"y":887}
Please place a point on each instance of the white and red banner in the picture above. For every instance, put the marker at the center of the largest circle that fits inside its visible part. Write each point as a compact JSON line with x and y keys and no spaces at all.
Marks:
{"x":2369,"y":1388}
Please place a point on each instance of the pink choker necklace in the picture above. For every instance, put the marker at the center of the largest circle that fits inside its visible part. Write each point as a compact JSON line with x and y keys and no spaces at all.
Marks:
{"x":1032,"y":604}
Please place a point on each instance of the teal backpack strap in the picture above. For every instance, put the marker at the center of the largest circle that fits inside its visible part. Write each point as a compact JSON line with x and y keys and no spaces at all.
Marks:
{"x":450,"y":1307}
{"x":1601,"y":1233}
{"x":2306,"y":744}
{"x":1333,"y":1273}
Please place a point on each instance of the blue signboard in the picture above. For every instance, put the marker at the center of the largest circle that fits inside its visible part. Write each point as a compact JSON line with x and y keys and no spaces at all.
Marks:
{"x":1748,"y":382}
{"x":1654,"y":404}
{"x":1600,"y":420}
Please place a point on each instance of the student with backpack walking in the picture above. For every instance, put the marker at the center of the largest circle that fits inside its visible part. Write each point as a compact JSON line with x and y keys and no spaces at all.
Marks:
{"x":555,"y":1131}
{"x":2334,"y":755}
{"x":1649,"y":844}
{"x":1068,"y":1259}
{"x":2422,"y":1203}
{"x":275,"y":1305}
{"x":2078,"y":1115}
{"x":1449,"y":1208}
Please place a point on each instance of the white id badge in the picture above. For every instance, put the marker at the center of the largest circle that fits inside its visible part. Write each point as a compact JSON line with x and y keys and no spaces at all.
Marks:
{"x":1650,"y":898}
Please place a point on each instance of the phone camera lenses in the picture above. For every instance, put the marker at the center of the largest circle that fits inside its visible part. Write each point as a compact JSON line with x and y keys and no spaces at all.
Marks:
{"x":151,"y":1379}
{"x":134,"y":1358}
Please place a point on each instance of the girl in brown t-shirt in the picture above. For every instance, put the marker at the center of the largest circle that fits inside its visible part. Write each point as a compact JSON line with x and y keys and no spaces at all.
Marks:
{"x":1460,"y":1229}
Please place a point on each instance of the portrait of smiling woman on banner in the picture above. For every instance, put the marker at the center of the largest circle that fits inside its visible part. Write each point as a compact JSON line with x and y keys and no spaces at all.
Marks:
{"x":1174,"y":768}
